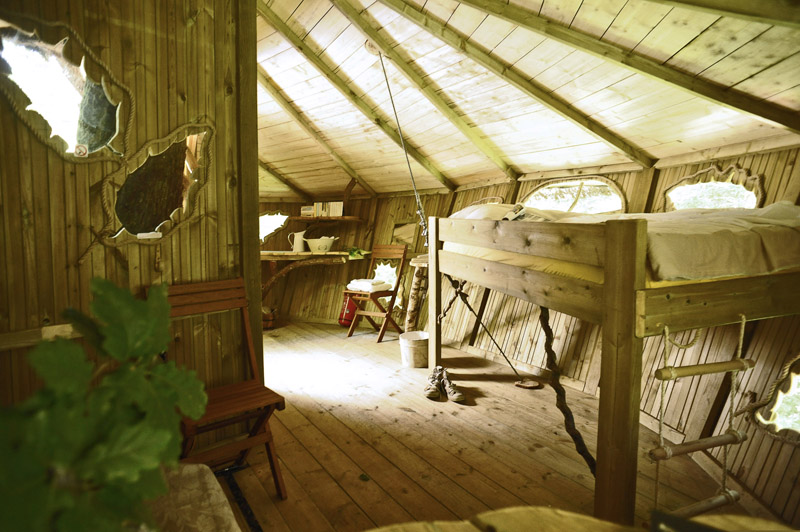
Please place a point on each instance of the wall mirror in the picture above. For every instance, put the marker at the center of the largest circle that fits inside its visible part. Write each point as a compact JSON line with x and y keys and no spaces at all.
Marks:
{"x":74,"y":112}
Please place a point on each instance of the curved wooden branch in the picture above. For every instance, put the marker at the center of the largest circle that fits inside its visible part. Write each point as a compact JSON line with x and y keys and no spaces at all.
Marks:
{"x":265,"y":288}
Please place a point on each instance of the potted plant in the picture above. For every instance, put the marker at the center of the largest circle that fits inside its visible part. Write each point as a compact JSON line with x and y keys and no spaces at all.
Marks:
{"x":87,"y":450}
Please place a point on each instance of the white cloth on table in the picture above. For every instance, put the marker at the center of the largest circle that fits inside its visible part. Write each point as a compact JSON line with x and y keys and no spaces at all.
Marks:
{"x":368,"y":285}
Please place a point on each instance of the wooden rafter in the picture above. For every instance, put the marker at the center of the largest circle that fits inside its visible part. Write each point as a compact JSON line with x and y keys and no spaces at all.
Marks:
{"x":367,"y":27}
{"x":778,"y":13}
{"x":637,"y":63}
{"x":287,"y":106}
{"x":348,"y":93}
{"x":277,"y":176}
{"x":508,"y":73}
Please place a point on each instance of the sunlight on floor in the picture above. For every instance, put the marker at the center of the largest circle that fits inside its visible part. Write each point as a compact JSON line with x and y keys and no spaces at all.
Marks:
{"x":322,"y":374}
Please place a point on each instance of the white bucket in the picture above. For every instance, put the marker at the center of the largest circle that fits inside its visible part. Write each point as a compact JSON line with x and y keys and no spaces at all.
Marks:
{"x":414,"y":349}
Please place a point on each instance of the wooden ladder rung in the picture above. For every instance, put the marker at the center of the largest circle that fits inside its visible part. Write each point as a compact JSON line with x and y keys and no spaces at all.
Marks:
{"x":671,"y":372}
{"x":726,"y":497}
{"x":668,"y":451}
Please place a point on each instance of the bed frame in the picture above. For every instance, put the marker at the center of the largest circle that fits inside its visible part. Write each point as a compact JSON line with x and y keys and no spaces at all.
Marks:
{"x":622,"y":305}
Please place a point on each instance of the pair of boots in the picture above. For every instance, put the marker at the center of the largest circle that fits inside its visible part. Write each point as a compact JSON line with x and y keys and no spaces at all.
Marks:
{"x":439,"y":382}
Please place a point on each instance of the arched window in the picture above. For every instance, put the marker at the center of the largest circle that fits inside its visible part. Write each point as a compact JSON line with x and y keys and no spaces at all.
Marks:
{"x":713,"y":188}
{"x":590,"y":195}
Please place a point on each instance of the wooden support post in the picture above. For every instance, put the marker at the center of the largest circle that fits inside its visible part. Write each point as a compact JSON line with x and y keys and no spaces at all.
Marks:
{"x":620,"y":373}
{"x":434,"y":295}
{"x":671,"y":372}
{"x":668,"y":451}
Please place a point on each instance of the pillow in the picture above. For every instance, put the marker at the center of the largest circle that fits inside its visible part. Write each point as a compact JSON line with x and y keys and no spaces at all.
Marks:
{"x":496,"y":211}
{"x":486,"y":211}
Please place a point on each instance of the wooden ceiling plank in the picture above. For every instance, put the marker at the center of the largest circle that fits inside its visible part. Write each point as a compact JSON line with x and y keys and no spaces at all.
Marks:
{"x":366,"y":26}
{"x":348,"y":93}
{"x":277,"y":176}
{"x":775,"y":13}
{"x":640,"y":64}
{"x":515,"y":78}
{"x":287,"y":106}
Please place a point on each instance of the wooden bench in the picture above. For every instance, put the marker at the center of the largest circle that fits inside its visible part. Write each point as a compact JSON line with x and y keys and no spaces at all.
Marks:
{"x":232,"y":403}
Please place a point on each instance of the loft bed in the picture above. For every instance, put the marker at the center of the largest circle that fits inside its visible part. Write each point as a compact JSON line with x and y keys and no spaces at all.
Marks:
{"x":618,"y":293}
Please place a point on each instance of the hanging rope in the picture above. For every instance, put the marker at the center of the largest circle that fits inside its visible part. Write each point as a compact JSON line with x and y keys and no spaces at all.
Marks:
{"x":731,"y":398}
{"x":423,"y":221}
{"x":458,"y":287}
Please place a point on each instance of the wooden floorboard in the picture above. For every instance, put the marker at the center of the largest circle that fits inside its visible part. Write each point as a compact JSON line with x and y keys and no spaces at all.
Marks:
{"x":361,"y":447}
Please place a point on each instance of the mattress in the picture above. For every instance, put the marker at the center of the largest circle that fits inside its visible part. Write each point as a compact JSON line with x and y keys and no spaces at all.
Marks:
{"x":682,"y":246}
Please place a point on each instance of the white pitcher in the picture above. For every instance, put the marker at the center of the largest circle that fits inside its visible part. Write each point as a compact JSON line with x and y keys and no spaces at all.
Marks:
{"x":298,"y":242}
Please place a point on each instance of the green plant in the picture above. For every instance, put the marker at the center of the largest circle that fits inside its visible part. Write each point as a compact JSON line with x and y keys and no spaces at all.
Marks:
{"x":355,"y":253}
{"x":86,"y":450}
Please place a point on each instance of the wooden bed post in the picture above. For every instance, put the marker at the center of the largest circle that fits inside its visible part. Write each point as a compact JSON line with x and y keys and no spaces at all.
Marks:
{"x":620,"y":372}
{"x":434,"y":295}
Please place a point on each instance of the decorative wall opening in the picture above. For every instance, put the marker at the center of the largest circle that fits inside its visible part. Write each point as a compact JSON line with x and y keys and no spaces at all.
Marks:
{"x":713,"y":188}
{"x":269,"y":223}
{"x":783,"y":407}
{"x":76,"y":108}
{"x":159,"y":187}
{"x":590,"y":195}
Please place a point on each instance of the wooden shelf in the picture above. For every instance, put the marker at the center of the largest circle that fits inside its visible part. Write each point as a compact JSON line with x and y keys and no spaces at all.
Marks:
{"x":312,"y":219}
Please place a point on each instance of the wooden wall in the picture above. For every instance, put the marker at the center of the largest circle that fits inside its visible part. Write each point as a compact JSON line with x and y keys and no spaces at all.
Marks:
{"x":180,"y":61}
{"x":316,"y":296}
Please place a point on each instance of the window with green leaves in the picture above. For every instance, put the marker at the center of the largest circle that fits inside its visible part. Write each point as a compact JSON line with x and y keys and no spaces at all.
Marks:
{"x":713,"y":188}
{"x":589,"y":195}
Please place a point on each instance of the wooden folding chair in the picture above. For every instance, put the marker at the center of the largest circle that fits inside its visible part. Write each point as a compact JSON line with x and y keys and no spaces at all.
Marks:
{"x":381,"y":252}
{"x":232,"y":403}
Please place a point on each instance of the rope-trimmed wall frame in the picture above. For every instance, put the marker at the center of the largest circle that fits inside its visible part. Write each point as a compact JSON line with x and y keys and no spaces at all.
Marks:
{"x":188,"y":149}
{"x":733,"y":174}
{"x":781,"y":386}
{"x":101,"y":88}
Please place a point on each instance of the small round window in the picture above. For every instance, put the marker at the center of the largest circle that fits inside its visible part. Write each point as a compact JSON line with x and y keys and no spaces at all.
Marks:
{"x":590,"y":195}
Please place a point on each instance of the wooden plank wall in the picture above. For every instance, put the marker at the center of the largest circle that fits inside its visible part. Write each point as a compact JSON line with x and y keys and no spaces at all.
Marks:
{"x":179,"y":60}
{"x":768,"y":467}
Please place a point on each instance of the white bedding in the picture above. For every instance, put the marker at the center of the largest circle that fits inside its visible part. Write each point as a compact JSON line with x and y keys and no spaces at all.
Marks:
{"x":690,"y":244}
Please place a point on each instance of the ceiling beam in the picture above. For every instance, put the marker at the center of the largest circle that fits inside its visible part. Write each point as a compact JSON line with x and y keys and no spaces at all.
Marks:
{"x":277,"y":176}
{"x":511,"y":75}
{"x":775,"y":12}
{"x":364,"y":23}
{"x":287,"y":106}
{"x":714,"y":93}
{"x":348,"y":93}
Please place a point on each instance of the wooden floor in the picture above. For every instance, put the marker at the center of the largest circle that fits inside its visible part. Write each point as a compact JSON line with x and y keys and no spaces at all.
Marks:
{"x":361,"y":447}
